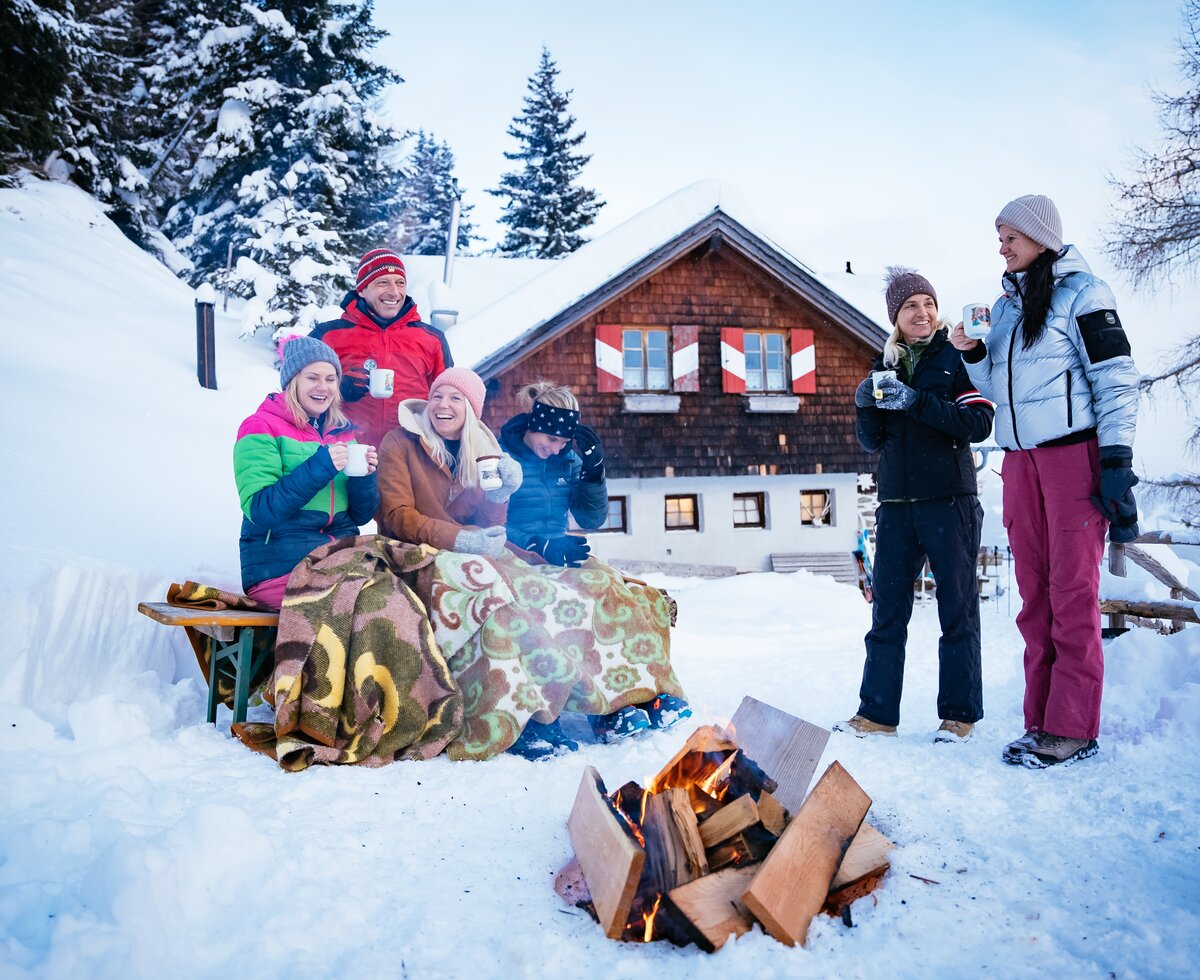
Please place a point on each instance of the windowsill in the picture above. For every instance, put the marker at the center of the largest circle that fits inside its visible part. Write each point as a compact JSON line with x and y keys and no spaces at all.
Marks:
{"x":783,"y":404}
{"x":662,"y":404}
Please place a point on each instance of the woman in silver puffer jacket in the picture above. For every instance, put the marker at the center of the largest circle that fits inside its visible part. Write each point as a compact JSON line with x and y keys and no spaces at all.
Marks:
{"x":1057,"y":365}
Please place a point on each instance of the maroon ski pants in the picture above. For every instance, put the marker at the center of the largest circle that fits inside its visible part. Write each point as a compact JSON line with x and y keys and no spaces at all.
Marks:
{"x":1057,"y":540}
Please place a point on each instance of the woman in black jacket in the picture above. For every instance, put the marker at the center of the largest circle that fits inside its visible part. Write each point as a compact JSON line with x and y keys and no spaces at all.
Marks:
{"x":922,"y":423}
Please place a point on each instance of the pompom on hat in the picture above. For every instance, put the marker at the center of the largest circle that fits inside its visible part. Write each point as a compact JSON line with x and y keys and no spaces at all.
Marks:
{"x":901,"y":284}
{"x":299,"y":353}
{"x":378,"y":262}
{"x":1036,"y":217}
{"x":465,"y":381}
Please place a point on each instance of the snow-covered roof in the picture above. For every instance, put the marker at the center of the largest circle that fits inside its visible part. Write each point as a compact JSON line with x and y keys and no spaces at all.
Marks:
{"x":545,"y":294}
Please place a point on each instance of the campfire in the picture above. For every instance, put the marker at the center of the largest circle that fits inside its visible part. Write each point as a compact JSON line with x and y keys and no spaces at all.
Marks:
{"x":724,"y":836}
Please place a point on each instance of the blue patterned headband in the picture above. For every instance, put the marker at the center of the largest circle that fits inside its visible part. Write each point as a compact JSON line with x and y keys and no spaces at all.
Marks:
{"x":553,"y":421}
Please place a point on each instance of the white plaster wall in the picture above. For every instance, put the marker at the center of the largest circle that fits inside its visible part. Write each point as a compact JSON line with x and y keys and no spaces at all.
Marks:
{"x":718,"y":542}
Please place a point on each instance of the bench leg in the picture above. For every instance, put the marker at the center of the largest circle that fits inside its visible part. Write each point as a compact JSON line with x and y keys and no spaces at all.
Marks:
{"x":213,"y":653}
{"x":241,"y":686}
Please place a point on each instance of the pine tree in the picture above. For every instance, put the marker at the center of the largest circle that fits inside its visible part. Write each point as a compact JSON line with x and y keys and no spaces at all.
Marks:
{"x":38,"y":41}
{"x":290,"y":156}
{"x":545,"y":211}
{"x":429,"y":193}
{"x":1157,"y":233}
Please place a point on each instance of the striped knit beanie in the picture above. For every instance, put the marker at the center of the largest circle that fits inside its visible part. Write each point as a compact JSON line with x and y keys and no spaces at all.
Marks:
{"x":378,"y":262}
{"x":1036,"y":217}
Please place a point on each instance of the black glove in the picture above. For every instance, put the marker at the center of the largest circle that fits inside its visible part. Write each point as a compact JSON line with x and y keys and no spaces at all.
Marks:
{"x":587,"y":445}
{"x":864,"y":394}
{"x":353,"y":386}
{"x":570,"y":550}
{"x":897,"y":396}
{"x":1115,"y":500}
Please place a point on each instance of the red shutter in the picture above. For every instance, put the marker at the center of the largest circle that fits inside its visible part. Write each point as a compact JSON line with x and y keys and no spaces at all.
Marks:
{"x":804,"y":363}
{"x":610,"y":372}
{"x":685,"y":358}
{"x":733,"y":361}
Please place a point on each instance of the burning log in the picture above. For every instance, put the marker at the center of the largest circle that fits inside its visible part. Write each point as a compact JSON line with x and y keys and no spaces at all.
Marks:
{"x":791,"y":885}
{"x":749,"y":846}
{"x":674,"y":851}
{"x":611,"y":859}
{"x":729,"y":820}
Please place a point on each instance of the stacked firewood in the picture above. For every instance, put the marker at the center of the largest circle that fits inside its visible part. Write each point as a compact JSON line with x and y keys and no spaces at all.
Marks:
{"x":710,"y":845}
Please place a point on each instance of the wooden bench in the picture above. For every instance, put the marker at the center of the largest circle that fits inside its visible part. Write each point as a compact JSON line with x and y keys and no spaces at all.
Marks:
{"x":229,"y":635}
{"x":840,"y":565}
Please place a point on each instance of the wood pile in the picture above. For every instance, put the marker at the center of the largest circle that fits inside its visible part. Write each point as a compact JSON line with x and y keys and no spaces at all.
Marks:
{"x":723,"y":837}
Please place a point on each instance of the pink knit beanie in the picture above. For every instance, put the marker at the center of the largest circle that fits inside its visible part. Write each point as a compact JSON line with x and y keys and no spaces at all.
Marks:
{"x":465,"y":381}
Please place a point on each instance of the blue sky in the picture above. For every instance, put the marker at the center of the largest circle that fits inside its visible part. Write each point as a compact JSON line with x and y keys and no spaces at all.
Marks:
{"x":878,"y":133}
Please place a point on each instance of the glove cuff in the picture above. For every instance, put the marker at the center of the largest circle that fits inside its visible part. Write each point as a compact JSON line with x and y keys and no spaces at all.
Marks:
{"x":1112,"y":457}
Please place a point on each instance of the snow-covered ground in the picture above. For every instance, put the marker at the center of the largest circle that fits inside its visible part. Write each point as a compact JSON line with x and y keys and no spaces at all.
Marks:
{"x":137,"y":841}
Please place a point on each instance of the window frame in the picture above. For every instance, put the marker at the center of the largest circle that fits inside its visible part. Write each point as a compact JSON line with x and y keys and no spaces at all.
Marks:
{"x":752,"y":382}
{"x":644,"y":368}
{"x":827,"y":517}
{"x":760,"y":499}
{"x":695,"y":500}
{"x":622,"y":503}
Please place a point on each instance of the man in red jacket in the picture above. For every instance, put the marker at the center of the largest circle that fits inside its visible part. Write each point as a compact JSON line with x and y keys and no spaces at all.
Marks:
{"x":381,"y":328}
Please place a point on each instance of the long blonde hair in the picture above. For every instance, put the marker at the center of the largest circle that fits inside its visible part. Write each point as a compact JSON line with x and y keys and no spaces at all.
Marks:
{"x":894,"y":349}
{"x":334,"y":418}
{"x":476,"y":440}
{"x":548,"y":393}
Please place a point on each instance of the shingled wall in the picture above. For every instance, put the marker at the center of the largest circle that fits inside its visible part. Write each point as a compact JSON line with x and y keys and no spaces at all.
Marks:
{"x":712,"y":434}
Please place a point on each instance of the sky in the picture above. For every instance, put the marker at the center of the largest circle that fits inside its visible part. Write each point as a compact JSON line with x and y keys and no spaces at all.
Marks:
{"x":875,"y":133}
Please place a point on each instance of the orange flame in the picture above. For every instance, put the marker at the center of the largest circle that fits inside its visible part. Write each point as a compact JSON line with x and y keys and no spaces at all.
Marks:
{"x":648,"y":918}
{"x":719,"y":775}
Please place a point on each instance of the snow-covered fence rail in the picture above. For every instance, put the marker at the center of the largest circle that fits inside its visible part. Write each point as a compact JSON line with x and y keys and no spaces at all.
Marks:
{"x":1184,"y":604}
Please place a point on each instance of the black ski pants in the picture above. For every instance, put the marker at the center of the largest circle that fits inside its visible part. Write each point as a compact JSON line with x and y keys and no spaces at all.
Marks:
{"x":945,"y":530}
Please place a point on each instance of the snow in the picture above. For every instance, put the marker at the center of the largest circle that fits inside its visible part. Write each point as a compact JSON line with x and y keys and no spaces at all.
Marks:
{"x":135,"y":840}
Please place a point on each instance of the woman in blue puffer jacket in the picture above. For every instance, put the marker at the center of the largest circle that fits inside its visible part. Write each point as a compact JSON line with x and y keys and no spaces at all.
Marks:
{"x":1057,"y":364}
{"x":557,"y":480}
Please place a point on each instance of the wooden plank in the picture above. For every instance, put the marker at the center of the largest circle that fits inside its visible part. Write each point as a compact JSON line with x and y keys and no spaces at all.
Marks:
{"x":772,"y":814}
{"x":792,"y":884}
{"x":786,"y":747}
{"x":168,"y":615}
{"x":674,"y":852}
{"x":730,"y":819}
{"x":1161,"y":609}
{"x":868,"y":853}
{"x":611,"y":861}
{"x":712,"y":906}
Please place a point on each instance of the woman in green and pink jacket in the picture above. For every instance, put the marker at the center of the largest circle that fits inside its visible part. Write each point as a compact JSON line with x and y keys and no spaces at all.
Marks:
{"x":289,"y":462}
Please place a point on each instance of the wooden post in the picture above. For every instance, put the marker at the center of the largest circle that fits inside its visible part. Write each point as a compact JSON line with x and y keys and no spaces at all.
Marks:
{"x":1116,"y":565}
{"x":206,"y":344}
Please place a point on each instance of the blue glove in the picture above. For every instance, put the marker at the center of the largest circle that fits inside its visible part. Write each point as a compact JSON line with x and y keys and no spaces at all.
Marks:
{"x":897,"y":396}
{"x":510,"y":480}
{"x":864,"y":394}
{"x":570,"y":550}
{"x":1115,"y":499}
{"x":353,"y":386}
{"x":587,"y":445}
{"x":488,"y":541}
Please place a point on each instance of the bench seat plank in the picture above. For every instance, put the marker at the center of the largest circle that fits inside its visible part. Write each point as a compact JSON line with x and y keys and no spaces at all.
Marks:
{"x":162,"y":612}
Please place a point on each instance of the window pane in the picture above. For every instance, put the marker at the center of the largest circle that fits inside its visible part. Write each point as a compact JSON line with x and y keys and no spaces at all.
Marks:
{"x":681,"y":512}
{"x":815,"y":507}
{"x":747,"y":510}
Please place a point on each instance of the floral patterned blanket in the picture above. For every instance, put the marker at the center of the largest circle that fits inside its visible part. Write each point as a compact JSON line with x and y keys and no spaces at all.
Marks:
{"x":531,"y":641}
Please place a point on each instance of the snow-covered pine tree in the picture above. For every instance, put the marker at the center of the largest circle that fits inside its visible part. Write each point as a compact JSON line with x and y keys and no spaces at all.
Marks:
{"x":290,"y":153}
{"x":428,"y":199}
{"x":545,"y":211}
{"x":35,"y":99}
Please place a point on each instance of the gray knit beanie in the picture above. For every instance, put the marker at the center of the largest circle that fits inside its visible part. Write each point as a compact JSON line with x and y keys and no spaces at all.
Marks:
{"x":1036,"y":217}
{"x":299,"y":353}
{"x":901,"y":284}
